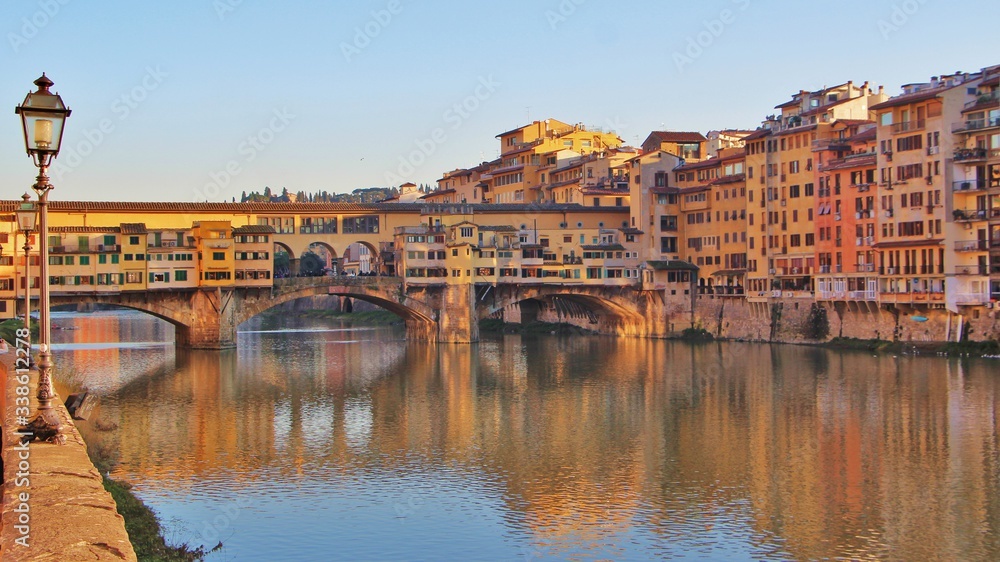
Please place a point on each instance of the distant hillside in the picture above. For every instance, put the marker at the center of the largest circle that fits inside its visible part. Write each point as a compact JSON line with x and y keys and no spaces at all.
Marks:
{"x":362,"y":195}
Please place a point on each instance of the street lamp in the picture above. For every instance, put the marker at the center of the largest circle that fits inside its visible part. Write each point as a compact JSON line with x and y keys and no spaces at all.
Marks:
{"x":27,"y":214}
{"x":43,"y":115}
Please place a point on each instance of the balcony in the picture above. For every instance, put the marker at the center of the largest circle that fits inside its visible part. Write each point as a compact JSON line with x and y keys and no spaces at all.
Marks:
{"x":976,"y":154}
{"x":984,"y":99}
{"x":972,"y":246}
{"x":977,"y":124}
{"x":907,"y":126}
{"x":862,"y":295}
{"x":865,"y":268}
{"x":968,"y":215}
{"x":975,"y":184}
{"x":972,"y":270}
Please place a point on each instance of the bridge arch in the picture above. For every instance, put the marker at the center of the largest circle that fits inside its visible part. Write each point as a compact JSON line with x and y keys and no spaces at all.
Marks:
{"x":420,"y":317}
{"x":617,"y":310}
{"x":184,"y":310}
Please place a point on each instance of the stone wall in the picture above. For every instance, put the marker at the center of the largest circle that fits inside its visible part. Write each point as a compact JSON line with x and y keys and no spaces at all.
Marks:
{"x":785,"y":320}
{"x":69,"y":515}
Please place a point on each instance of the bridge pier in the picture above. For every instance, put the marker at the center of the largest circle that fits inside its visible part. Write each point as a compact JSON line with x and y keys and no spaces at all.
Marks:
{"x":457,"y":320}
{"x":211,"y":321}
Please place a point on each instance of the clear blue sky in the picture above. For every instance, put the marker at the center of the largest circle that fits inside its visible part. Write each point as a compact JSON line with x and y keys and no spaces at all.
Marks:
{"x":336,"y":95}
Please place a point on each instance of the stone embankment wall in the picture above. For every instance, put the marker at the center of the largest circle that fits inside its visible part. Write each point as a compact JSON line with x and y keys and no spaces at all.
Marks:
{"x":785,"y":320}
{"x":58,"y":508}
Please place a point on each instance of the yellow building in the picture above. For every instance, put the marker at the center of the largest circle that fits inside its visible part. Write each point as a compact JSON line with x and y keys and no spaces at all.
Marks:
{"x":253,"y":255}
{"x":916,"y":227}
{"x":216,"y":253}
{"x":134,"y":256}
{"x":687,"y":145}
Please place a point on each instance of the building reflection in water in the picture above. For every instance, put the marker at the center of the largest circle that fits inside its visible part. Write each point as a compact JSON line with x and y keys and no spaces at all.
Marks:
{"x":784,"y":451}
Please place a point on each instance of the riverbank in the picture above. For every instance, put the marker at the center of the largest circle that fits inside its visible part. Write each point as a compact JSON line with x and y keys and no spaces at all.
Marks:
{"x":145,"y":532}
{"x":143,"y":527}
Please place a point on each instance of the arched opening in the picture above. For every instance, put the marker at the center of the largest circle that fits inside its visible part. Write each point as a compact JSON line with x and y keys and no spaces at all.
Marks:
{"x":285,"y":262}
{"x":319,"y":259}
{"x":361,"y":259}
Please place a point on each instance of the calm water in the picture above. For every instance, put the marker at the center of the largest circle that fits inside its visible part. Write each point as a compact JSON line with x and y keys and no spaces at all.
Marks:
{"x":312,"y":442}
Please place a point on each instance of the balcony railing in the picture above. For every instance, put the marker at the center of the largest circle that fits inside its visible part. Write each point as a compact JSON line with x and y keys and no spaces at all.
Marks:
{"x":907,"y":126}
{"x":972,"y":246}
{"x":984,"y":99}
{"x":974,"y":184}
{"x":971,"y":154}
{"x":977,"y":124}
{"x":965,"y":215}
{"x":972,"y":270}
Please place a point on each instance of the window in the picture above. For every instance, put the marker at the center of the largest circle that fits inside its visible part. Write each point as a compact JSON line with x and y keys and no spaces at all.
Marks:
{"x":134,"y":240}
{"x":180,"y":275}
{"x":84,"y":260}
{"x":218,"y":256}
{"x":466,"y":232}
{"x":133,"y":277}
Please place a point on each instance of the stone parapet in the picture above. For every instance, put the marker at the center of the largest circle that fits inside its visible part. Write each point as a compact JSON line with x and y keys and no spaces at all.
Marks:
{"x":60,"y":499}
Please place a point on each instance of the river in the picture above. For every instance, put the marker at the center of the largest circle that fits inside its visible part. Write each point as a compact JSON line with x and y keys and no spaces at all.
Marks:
{"x":314,"y":441}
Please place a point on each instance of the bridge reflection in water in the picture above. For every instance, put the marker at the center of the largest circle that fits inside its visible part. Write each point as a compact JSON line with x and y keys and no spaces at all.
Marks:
{"x":362,"y":445}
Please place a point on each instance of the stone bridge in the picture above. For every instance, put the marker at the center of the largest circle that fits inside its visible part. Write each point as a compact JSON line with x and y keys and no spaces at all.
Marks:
{"x":449,"y":313}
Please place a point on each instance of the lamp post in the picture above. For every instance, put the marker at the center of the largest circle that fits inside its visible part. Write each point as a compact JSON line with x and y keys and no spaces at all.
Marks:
{"x":43,"y":115}
{"x":27,"y":215}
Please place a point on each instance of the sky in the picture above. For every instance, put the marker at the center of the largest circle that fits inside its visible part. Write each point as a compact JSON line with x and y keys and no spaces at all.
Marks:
{"x":201,"y":100}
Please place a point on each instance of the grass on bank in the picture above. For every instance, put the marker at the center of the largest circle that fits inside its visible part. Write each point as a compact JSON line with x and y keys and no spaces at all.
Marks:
{"x":144,"y":530}
{"x":972,"y":348}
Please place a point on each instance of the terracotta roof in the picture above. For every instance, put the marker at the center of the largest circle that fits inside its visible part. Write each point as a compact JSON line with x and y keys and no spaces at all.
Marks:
{"x":796,"y":130}
{"x":851,"y":122}
{"x":995,"y":81}
{"x":906,"y":99}
{"x":758,"y":134}
{"x":438,"y":192}
{"x":790,"y":103}
{"x":823,"y":108}
{"x":84,"y":229}
{"x":613,"y":247}
{"x":132,"y":227}
{"x":710,"y":163}
{"x":695,"y":189}
{"x":254,"y":229}
{"x":562,"y":183}
{"x":630,"y":230}
{"x":735,"y":178}
{"x":864,"y":136}
{"x":675,"y":136}
{"x":512,"y":131}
